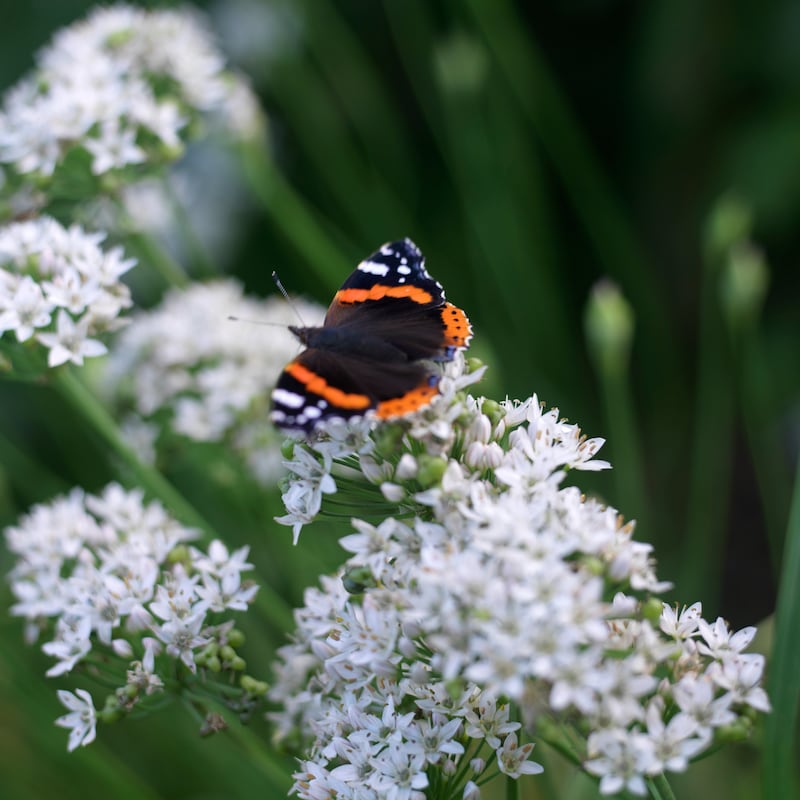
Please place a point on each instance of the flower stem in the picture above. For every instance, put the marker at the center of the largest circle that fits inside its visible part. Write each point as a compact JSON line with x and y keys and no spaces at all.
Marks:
{"x":512,"y":788}
{"x":780,"y":741}
{"x":151,"y":252}
{"x":711,"y":456}
{"x":276,"y":773}
{"x":659,"y":788}
{"x":203,"y":265}
{"x":73,"y":390}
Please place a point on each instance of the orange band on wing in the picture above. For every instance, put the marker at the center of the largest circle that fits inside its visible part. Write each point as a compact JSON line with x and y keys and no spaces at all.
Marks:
{"x":457,"y":330}
{"x":417,"y":398}
{"x":378,"y":292}
{"x":319,"y":386}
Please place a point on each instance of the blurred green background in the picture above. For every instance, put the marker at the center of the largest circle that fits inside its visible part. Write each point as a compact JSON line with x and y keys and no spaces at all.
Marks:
{"x":531,"y":150}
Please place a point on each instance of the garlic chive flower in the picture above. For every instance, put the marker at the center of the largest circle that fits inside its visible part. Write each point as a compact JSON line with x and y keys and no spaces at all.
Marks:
{"x":59,"y":288}
{"x":114,"y":578}
{"x":491,"y":585}
{"x":186,"y":369}
{"x":122,"y":88}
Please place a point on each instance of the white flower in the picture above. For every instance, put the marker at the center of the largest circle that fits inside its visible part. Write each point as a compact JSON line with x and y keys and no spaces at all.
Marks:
{"x":741,"y":676}
{"x":70,"y":342}
{"x":181,"y":635}
{"x":487,"y":720}
{"x":81,"y":719}
{"x":720,"y":642}
{"x":512,"y":760}
{"x":683,"y":625}
{"x":399,"y":774}
{"x":436,"y":738}
{"x":676,"y":742}
{"x":116,"y":147}
{"x":621,"y":759}
{"x":25,"y":310}
{"x":695,"y":698}
{"x":70,"y":645}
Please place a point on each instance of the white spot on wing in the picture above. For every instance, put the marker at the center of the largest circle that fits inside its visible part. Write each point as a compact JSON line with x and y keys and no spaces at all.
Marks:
{"x":286,"y":398}
{"x":404,"y":270}
{"x":374,"y":268}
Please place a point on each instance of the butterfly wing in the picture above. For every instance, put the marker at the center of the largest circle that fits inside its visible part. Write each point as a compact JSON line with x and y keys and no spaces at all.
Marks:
{"x":392,"y":295}
{"x":320,"y":384}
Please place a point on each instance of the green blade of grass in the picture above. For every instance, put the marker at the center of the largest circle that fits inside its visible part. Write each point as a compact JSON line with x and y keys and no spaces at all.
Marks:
{"x":780,"y":779}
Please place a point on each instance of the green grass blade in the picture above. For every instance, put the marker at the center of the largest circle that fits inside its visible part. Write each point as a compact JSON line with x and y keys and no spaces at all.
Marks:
{"x":780,"y":778}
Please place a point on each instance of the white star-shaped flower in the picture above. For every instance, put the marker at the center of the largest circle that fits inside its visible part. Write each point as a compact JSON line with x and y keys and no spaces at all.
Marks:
{"x":81,"y":719}
{"x":70,"y":342}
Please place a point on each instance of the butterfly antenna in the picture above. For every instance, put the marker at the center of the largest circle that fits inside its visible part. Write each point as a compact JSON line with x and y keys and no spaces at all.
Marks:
{"x":288,"y":299}
{"x":255,"y":321}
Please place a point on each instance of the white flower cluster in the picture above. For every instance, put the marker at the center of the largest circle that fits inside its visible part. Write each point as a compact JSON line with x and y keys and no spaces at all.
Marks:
{"x":205,"y":376}
{"x":59,"y":287}
{"x":492,"y":578}
{"x":123,"y":85}
{"x":111,"y":577}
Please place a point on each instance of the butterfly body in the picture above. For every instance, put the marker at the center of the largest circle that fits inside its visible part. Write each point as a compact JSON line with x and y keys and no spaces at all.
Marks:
{"x":388,"y":319}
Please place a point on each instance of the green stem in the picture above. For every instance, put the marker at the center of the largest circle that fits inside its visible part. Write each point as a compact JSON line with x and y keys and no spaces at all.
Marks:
{"x":628,"y":472}
{"x":274,"y":771}
{"x":659,"y":788}
{"x":292,"y":216}
{"x":512,"y":788}
{"x":151,"y":252}
{"x":755,"y":391}
{"x":204,"y":266}
{"x":274,"y":607}
{"x":710,"y":467}
{"x":74,"y":391}
{"x":780,"y":776}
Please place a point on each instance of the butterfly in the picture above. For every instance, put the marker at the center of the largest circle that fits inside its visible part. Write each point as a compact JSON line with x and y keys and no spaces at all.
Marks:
{"x":372,"y":353}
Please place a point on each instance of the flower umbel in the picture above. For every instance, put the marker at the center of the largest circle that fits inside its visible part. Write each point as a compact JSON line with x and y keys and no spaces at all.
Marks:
{"x":111,"y":576}
{"x":122,"y":88}
{"x":492,"y":583}
{"x":60,"y":288}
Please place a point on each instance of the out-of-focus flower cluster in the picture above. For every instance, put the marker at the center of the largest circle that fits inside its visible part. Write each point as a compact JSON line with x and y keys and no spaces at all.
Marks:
{"x":121,"y":88}
{"x":113,"y":584}
{"x":186,"y":367}
{"x":59,"y":288}
{"x":491,"y":580}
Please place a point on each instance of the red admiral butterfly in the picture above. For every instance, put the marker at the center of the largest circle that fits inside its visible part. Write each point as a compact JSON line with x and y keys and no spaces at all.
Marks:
{"x":389,"y":317}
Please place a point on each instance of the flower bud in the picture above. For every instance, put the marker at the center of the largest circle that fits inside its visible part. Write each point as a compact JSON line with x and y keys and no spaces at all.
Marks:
{"x":393,"y":492}
{"x":407,"y":468}
{"x":431,"y":470}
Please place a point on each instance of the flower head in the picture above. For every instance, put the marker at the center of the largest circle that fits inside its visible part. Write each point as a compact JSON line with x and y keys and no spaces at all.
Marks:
{"x":488,"y":580}
{"x":113,"y":574}
{"x":59,"y":287}
{"x":123,"y":86}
